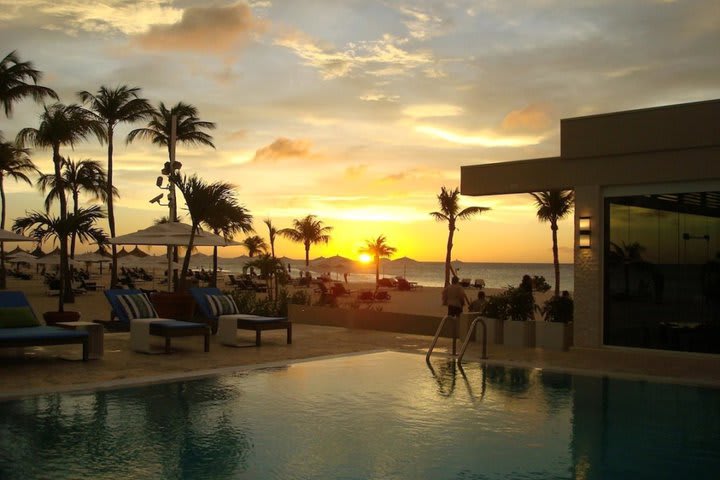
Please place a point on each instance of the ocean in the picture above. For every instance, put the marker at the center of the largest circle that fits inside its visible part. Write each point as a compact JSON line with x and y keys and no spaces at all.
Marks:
{"x":431,"y":274}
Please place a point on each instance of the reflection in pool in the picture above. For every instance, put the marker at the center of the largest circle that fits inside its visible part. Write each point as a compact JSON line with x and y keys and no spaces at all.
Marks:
{"x":383,"y":415}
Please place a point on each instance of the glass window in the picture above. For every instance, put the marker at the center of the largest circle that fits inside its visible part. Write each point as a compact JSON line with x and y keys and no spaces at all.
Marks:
{"x":662,"y":271}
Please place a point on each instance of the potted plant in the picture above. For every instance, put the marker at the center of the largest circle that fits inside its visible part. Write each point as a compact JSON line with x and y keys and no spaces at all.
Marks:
{"x":44,"y":227}
{"x":556,"y":331}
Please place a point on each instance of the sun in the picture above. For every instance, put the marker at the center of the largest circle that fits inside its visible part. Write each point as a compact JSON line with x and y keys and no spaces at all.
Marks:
{"x":365,"y":258}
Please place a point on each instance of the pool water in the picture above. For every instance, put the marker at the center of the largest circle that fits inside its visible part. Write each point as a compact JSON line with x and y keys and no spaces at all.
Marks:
{"x":374,"y":416}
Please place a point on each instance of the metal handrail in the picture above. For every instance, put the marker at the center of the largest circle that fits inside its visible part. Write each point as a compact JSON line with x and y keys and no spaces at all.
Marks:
{"x":437,"y":335}
{"x":467,"y":339}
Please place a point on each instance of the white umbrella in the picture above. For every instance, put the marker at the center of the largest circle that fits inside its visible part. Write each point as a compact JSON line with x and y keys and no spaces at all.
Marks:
{"x":171,"y":234}
{"x":6,"y":236}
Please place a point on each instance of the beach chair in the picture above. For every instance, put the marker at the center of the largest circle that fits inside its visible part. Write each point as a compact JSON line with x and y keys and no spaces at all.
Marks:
{"x":20,"y":327}
{"x":221,"y":309}
{"x":479,"y":283}
{"x":366,"y":296}
{"x":382,"y":296}
{"x":403,"y":284}
{"x":134,"y":308}
{"x":338,"y":289}
{"x":465,"y":282}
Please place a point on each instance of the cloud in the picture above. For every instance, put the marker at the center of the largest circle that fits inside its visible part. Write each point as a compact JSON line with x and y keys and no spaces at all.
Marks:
{"x":432,"y":110}
{"x":283,"y":148}
{"x":533,"y":118}
{"x":485,"y":138}
{"x":384,"y":57}
{"x":237,"y":135}
{"x":356,"y":171}
{"x":378,"y":97}
{"x":216,"y":29}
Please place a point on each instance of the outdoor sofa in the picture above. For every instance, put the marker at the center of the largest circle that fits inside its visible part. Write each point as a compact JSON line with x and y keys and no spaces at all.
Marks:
{"x":20,"y":327}
{"x":134,"y":308}
{"x":221,"y":309}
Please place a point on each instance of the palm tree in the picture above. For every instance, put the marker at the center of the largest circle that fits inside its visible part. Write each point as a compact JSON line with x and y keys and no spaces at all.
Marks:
{"x":112,"y":107}
{"x":86,"y":176}
{"x":43,"y":226}
{"x":15,"y":163}
{"x":272,"y":231}
{"x":255,"y":245}
{"x":14,"y":86}
{"x":378,"y":248}
{"x":227,"y":219}
{"x":307,"y":231}
{"x":189,"y":128}
{"x":450,"y":212}
{"x":269,"y":268}
{"x":200,"y":199}
{"x":554,"y":205}
{"x":61,"y":125}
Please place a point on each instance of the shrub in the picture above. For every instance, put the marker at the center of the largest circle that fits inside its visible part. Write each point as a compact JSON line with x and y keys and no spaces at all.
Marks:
{"x":540,"y":284}
{"x":558,"y":309}
{"x":512,"y":304}
{"x":249,"y":302}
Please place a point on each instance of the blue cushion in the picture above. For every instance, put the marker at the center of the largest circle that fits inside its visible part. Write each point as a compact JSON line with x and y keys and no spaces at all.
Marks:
{"x":167,"y":323}
{"x":222,"y":305}
{"x":25,"y":333}
{"x":16,"y":317}
{"x":136,"y":305}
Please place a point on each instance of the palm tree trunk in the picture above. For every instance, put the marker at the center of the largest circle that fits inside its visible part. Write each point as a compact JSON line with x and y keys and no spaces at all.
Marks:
{"x":556,"y":261}
{"x":66,"y":293}
{"x":186,"y":262}
{"x":215,"y":268}
{"x":3,"y":282}
{"x":448,"y":254}
{"x":377,"y":270}
{"x":307,"y":255}
{"x":74,"y":234}
{"x":111,"y":209}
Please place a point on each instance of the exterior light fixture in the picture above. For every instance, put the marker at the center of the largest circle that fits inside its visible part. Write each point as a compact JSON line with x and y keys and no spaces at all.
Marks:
{"x":584,"y":232}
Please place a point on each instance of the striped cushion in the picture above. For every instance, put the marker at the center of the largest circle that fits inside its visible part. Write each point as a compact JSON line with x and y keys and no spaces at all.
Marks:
{"x":222,"y":305}
{"x":137,"y":306}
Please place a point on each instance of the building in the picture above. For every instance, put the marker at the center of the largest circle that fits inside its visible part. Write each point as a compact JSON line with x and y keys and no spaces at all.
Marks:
{"x":647,"y":222}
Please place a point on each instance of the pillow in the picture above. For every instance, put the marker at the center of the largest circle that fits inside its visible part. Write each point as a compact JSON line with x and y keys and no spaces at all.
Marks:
{"x":222,"y":305}
{"x":137,"y":305}
{"x":14,"y":317}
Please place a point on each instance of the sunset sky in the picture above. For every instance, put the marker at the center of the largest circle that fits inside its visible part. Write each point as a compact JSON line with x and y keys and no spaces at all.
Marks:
{"x":359,"y":111}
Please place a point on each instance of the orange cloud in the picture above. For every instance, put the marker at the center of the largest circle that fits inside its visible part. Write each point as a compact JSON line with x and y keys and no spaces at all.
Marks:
{"x":217,"y":29}
{"x":533,"y":118}
{"x":237,"y":135}
{"x":283,"y":148}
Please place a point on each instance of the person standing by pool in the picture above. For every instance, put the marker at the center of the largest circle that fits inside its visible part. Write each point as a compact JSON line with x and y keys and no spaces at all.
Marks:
{"x":454,"y":297}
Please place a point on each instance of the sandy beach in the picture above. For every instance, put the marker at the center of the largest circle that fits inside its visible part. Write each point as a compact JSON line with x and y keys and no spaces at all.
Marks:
{"x":93,"y":305}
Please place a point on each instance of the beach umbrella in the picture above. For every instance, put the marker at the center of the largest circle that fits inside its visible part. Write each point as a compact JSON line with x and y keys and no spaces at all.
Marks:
{"x":171,"y":234}
{"x":93,"y":257}
{"x":7,"y":236}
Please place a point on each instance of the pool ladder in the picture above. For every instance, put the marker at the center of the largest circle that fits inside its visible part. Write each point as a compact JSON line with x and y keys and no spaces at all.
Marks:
{"x":467,"y":338}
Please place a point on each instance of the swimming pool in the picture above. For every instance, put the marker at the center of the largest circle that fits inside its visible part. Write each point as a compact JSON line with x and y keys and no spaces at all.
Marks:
{"x":381,"y":416}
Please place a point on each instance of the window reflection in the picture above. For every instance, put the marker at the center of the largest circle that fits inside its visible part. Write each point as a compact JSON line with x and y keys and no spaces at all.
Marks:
{"x":662,"y":271}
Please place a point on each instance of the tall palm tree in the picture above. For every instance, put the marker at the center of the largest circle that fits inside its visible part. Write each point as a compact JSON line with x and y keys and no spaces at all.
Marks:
{"x":227,"y":219}
{"x":450,"y":212}
{"x":269,"y":268}
{"x":189,"y":128}
{"x":378,"y":248}
{"x":43,"y":226}
{"x":19,"y":80}
{"x":15,"y":164}
{"x":255,"y":245}
{"x":200,"y":199}
{"x":112,"y":107}
{"x":307,"y":231}
{"x":61,"y":125}
{"x":86,"y":176}
{"x":554,"y":205}
{"x":272,"y":231}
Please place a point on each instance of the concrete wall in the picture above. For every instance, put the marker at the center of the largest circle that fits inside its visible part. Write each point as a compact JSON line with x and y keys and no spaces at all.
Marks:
{"x":372,"y":320}
{"x":587,"y":331}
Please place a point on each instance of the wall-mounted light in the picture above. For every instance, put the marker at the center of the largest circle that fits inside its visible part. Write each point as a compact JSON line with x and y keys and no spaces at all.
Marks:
{"x":584,"y":232}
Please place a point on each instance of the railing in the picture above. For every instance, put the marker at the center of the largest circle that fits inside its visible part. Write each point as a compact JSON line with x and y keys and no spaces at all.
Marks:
{"x":467,"y":338}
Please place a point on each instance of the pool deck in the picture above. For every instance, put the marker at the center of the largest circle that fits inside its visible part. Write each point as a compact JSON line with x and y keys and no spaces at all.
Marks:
{"x":58,"y":368}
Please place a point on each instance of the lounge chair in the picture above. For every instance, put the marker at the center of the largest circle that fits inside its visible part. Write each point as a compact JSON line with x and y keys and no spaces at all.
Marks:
{"x":403,"y":284}
{"x":133,"y":308}
{"x":465,"y":282}
{"x":366,"y":296}
{"x":382,"y":296}
{"x":387,"y":282}
{"x":23,"y":328}
{"x":229,"y":323}
{"x":339,"y":289}
{"x":479,"y":283}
